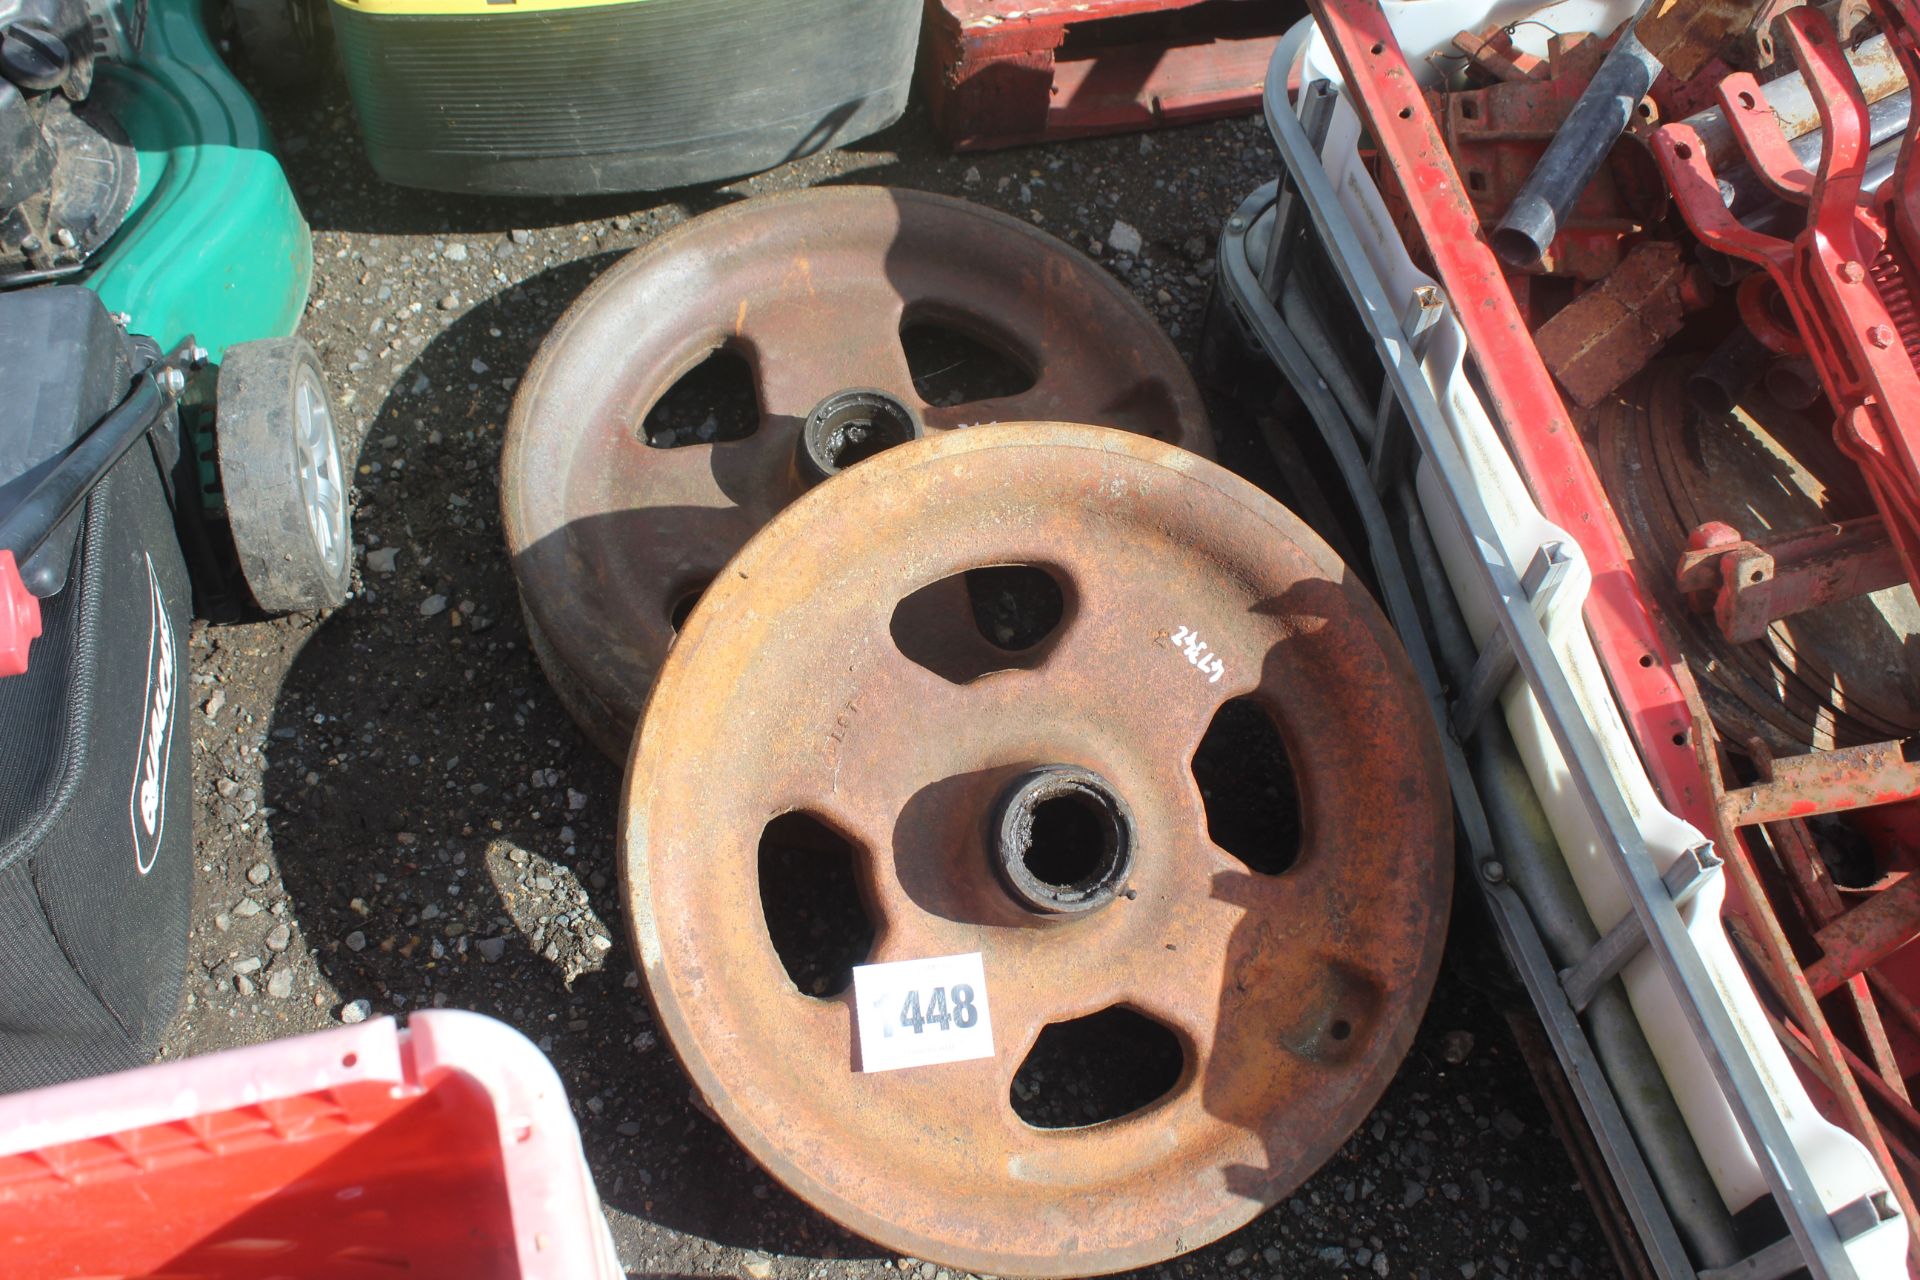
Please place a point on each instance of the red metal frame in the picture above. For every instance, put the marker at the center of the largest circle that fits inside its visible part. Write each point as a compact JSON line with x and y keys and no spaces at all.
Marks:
{"x":1847,"y":277}
{"x":1659,"y":703}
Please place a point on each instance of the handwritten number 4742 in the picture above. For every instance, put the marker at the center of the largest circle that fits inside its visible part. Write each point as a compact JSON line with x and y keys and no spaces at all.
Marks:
{"x":1195,"y":648}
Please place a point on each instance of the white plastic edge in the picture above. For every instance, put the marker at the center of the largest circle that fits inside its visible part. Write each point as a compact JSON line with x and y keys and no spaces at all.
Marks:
{"x":1839,"y":1164}
{"x":559,"y":1228}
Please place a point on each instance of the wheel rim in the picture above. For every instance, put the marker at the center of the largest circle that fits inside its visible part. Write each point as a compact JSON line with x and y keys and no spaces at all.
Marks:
{"x":609,"y":535}
{"x":317,"y":456}
{"x":1293,"y":996}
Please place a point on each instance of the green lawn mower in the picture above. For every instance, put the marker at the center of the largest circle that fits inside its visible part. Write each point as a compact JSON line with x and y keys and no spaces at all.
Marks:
{"x":166,"y":445}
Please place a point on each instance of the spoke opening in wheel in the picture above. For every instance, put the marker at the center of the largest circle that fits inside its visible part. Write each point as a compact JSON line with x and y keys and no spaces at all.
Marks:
{"x":712,"y":402}
{"x":952,"y":364}
{"x":683,"y":602}
{"x":1096,"y":1069}
{"x":810,"y":900}
{"x":993,"y":618}
{"x":1247,"y":785}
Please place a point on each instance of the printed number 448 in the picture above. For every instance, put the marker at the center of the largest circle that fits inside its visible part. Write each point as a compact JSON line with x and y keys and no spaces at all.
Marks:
{"x":941,"y":1010}
{"x":1209,"y":664}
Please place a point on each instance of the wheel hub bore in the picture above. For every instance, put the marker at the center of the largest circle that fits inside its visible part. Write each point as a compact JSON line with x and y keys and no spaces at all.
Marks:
{"x":852,"y":426}
{"x":1063,"y":841}
{"x":612,"y":534}
{"x":832,"y":716}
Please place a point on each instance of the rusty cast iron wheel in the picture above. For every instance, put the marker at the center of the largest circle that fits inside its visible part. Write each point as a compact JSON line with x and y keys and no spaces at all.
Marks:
{"x":612,"y":539}
{"x":1291,"y":996}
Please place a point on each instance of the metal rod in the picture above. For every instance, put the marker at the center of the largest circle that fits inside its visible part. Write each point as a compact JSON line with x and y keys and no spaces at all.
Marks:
{"x":1542,"y":580}
{"x":1607,"y":957}
{"x":1781,"y":1258}
{"x":1286,"y":210}
{"x":60,"y":492}
{"x":1599,"y":116}
{"x":1874,"y":66}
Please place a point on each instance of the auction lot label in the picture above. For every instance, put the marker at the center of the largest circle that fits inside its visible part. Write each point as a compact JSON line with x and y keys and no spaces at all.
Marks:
{"x":916,"y":1013}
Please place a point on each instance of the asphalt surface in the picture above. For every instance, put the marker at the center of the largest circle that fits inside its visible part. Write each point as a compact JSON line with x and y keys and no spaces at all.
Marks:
{"x":394,"y":813}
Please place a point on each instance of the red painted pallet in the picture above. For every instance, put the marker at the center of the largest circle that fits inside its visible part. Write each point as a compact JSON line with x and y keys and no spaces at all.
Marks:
{"x":999,"y":73}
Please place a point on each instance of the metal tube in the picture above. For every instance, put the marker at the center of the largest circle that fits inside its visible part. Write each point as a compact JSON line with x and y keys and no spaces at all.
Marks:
{"x":1599,"y":116}
{"x":1874,"y":66}
{"x":62,"y":490}
{"x":1302,"y":316}
{"x":1744,"y":192}
{"x":1785,"y":221}
{"x":1717,"y":386}
{"x":1795,"y":383}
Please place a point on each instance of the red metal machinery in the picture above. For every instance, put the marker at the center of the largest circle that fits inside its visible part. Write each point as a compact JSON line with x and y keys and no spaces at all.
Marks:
{"x":1846,"y":278}
{"x":997,"y":75}
{"x":1761,"y":826}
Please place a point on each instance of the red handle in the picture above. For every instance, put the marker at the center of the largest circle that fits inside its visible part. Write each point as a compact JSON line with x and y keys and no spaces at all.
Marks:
{"x":19,"y":617}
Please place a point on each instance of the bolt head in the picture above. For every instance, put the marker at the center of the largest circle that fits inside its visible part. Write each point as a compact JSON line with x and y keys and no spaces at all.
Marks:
{"x":1236,"y":223}
{"x":1493,"y":871}
{"x":64,"y":238}
{"x":1852,"y":272}
{"x":1880,"y":336}
{"x":31,"y":244}
{"x":172,"y":381}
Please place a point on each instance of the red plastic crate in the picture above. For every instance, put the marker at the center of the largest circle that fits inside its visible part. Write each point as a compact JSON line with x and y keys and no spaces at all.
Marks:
{"x":444,"y":1150}
{"x":998,"y":74}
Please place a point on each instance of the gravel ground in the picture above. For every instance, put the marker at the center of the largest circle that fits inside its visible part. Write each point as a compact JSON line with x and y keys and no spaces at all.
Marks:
{"x":393,"y":812}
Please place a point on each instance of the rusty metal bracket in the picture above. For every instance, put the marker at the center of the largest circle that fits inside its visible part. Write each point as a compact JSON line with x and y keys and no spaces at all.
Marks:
{"x":1610,"y":332}
{"x":1866,"y":935}
{"x":1689,"y":874}
{"x":1826,"y":782}
{"x":1756,"y":583}
{"x":1494,"y":52}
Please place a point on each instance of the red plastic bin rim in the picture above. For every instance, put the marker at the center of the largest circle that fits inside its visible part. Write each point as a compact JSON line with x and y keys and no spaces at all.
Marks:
{"x":558,"y":1227}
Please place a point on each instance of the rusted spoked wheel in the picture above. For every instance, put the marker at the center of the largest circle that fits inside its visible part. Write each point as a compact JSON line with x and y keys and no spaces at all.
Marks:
{"x":1040,"y":806}
{"x":613,"y":538}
